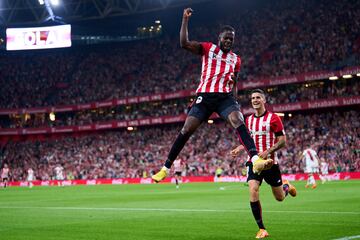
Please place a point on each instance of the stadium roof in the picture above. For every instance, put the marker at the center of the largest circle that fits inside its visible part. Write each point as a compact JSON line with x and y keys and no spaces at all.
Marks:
{"x":20,"y":12}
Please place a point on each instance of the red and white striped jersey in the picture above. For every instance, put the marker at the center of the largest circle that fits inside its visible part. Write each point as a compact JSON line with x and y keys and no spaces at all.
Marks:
{"x":217,"y":67}
{"x":264,"y":129}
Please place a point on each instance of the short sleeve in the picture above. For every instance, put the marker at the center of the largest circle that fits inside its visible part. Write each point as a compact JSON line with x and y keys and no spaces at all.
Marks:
{"x":237,"y":65}
{"x":276,"y":125}
{"x":205,"y":47}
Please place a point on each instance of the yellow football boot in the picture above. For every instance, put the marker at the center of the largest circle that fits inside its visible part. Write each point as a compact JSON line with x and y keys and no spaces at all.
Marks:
{"x":161,"y":175}
{"x":262,"y":233}
{"x":261,"y":164}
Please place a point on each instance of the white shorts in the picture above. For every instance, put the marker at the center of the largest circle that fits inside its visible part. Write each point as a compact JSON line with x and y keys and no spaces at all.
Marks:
{"x":311,"y":169}
{"x":60,"y":178}
{"x":29,"y":179}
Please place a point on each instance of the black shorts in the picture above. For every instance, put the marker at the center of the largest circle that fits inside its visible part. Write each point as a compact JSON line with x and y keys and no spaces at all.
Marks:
{"x":5,"y":179}
{"x":207,"y":103}
{"x":178,"y":174}
{"x":271,"y":176}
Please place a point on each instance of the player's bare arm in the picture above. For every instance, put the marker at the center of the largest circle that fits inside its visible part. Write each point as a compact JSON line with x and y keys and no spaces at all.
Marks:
{"x":236,"y":151}
{"x":192,"y":46}
{"x":281,"y":142}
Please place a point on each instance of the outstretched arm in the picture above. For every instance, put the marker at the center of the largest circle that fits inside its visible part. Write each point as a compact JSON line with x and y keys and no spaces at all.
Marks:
{"x":192,"y":46}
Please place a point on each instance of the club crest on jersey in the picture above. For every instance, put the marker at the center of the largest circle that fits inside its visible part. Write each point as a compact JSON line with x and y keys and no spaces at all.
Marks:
{"x":199,"y":99}
{"x":258,"y":133}
{"x":228,"y":61}
{"x":214,"y":56}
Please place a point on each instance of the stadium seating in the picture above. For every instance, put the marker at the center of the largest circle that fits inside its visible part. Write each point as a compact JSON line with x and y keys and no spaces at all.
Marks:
{"x":117,"y":154}
{"x":273,"y":41}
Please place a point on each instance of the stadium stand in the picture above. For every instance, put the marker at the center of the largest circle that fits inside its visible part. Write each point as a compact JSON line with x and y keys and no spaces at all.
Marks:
{"x":273,"y":41}
{"x":119,"y":154}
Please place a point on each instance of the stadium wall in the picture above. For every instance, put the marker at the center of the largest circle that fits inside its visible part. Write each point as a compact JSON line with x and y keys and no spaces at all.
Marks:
{"x":324,"y":103}
{"x":120,"y":181}
{"x":299,"y":78}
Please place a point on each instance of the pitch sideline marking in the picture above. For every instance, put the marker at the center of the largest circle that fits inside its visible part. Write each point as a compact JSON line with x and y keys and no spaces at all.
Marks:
{"x":175,"y":210}
{"x":348,"y":238}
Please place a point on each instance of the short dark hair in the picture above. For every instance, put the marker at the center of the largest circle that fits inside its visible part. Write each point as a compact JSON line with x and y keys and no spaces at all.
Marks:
{"x":258,"y":90}
{"x":227,"y":28}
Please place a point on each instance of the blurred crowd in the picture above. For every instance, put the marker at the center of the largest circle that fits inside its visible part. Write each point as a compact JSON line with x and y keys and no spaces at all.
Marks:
{"x":309,"y":91}
{"x":278,"y":38}
{"x":275,"y":95}
{"x":139,"y":153}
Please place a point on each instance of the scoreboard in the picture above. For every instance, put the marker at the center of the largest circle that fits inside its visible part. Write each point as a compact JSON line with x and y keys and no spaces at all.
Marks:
{"x":38,"y":37}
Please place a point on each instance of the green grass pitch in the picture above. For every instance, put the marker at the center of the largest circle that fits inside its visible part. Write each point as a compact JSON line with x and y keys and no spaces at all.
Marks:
{"x":161,"y":212}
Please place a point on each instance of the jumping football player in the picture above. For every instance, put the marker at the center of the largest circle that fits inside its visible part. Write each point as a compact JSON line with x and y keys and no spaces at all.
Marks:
{"x":220,"y":67}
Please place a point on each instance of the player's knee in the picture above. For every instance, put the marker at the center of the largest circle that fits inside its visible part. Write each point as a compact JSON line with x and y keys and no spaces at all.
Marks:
{"x":254,"y":190}
{"x":280,"y":198}
{"x":186,"y":131}
{"x":236,"y":119}
{"x":191,"y":124}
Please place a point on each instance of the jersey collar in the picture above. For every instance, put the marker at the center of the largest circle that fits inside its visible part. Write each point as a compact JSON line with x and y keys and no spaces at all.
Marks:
{"x":261,"y":114}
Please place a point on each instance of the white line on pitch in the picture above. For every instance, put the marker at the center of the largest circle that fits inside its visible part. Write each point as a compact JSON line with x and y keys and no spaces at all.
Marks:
{"x":171,"y":210}
{"x":348,"y":238}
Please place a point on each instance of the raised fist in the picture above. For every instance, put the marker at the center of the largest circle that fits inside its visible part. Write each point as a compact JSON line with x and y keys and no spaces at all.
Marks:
{"x":187,"y":12}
